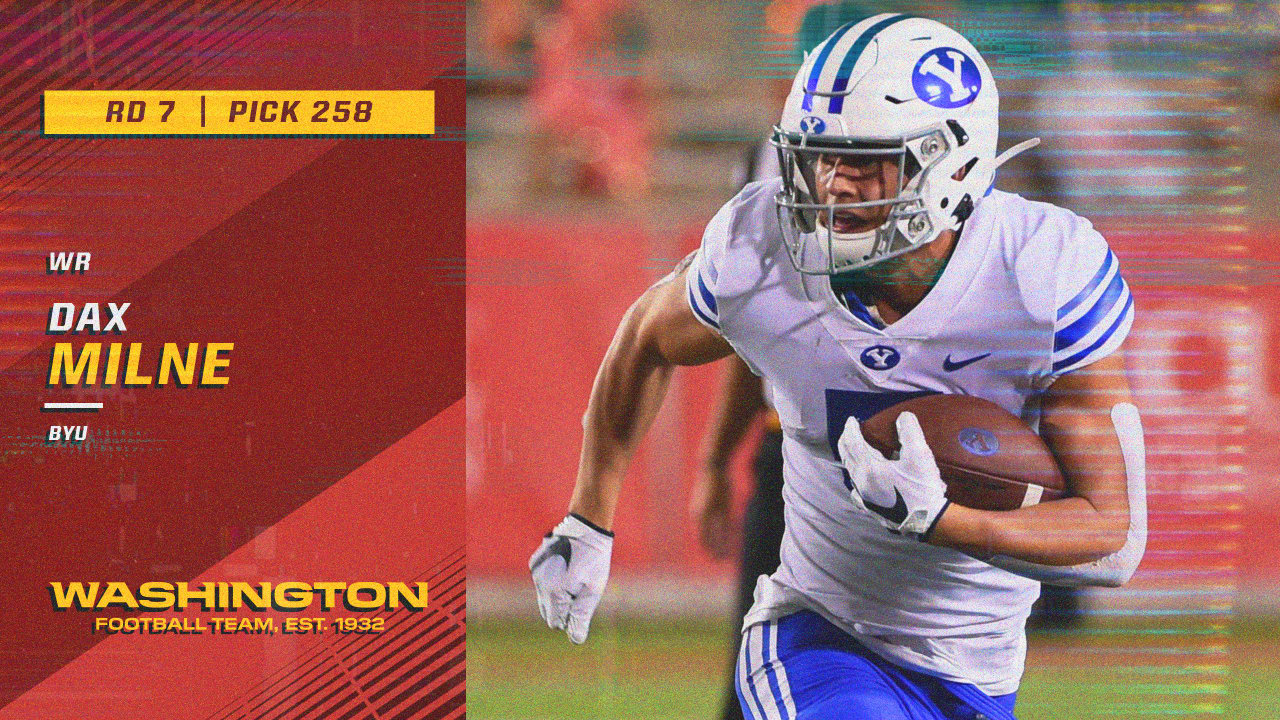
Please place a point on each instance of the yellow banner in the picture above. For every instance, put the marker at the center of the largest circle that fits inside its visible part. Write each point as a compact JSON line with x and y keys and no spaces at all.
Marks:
{"x":239,"y":112}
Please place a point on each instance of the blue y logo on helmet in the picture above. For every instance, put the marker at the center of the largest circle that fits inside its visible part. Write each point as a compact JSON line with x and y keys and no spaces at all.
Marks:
{"x":880,"y":357}
{"x":813,"y":125}
{"x":946,"y":78}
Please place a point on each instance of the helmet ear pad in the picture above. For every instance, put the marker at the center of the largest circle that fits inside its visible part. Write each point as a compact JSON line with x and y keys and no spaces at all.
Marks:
{"x":955,"y":182}
{"x":964,"y":208}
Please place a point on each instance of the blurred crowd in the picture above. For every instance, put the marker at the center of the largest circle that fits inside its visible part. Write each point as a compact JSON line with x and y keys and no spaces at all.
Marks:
{"x":586,"y":93}
{"x":1105,"y":83}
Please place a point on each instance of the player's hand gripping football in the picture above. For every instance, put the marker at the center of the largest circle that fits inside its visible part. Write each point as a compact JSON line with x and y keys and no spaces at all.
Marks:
{"x":906,"y":495}
{"x":569,"y":570}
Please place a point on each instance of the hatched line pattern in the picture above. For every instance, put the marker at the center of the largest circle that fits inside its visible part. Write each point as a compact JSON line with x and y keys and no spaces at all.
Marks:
{"x":413,"y":670}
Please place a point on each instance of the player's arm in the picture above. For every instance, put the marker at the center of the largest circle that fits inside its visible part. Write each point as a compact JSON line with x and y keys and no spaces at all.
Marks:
{"x":658,"y":333}
{"x":1095,"y":537}
{"x":741,"y":399}
{"x":1093,"y":522}
{"x":571,"y":565}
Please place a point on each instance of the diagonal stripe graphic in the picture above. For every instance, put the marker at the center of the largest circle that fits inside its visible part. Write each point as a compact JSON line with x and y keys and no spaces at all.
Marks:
{"x":432,"y":576}
{"x":29,"y":155}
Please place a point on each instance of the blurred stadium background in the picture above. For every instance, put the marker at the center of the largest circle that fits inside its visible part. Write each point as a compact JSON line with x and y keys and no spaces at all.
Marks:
{"x":603,"y":134}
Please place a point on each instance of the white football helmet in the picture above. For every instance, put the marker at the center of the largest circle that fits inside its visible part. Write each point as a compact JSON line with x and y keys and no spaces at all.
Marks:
{"x":890,"y":87}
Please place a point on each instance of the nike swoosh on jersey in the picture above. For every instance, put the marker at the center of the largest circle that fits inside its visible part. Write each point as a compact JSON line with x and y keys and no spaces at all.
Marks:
{"x":949,"y":365}
{"x":895,"y":514}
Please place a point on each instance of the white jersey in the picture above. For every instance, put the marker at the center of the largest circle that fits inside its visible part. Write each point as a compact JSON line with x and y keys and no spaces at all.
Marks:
{"x":1031,"y":292}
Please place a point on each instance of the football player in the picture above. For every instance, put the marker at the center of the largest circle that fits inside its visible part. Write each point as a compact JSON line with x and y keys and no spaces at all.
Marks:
{"x":883,"y":265}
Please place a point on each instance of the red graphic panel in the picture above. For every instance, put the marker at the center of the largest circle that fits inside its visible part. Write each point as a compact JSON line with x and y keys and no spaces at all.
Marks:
{"x":318,"y":259}
{"x":383,"y":521}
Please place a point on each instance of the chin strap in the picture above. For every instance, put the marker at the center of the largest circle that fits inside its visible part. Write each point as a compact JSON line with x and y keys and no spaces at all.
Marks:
{"x":1014,"y":151}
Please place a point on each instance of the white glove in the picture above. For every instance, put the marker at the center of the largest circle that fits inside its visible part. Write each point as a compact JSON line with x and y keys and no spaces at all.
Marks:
{"x":906,"y":495}
{"x":569,"y":571}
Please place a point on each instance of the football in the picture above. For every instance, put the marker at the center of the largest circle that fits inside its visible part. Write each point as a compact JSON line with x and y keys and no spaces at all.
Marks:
{"x":989,"y":458}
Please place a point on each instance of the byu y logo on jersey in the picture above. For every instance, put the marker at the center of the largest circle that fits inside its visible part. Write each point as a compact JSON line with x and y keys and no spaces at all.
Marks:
{"x":880,"y":357}
{"x":813,"y":125}
{"x":946,"y":78}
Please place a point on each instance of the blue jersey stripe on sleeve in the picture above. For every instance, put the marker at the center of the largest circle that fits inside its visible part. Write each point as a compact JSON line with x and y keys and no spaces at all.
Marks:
{"x":1073,"y":333}
{"x":1068,"y":362}
{"x":702,"y":315}
{"x":1088,"y":289}
{"x":707,"y":296}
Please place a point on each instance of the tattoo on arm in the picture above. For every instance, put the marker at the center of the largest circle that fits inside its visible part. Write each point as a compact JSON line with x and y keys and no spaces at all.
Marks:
{"x":676,"y":272}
